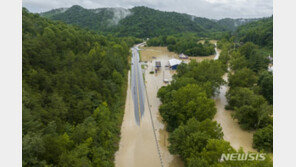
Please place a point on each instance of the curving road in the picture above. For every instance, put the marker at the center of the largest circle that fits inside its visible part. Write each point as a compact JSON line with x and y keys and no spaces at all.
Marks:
{"x":137,"y":85}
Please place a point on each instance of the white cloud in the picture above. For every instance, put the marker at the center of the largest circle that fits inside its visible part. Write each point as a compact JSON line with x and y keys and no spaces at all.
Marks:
{"x":203,"y":8}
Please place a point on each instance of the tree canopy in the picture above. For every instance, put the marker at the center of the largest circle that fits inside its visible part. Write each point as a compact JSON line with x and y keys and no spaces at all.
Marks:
{"x":259,"y":32}
{"x":188,"y":44}
{"x":187,"y":102}
{"x":74,"y":83}
{"x":263,"y":139}
{"x":192,"y":138}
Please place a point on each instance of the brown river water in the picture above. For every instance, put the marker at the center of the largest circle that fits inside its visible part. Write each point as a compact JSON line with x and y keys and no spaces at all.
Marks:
{"x":231,"y":129}
{"x":138,"y":147}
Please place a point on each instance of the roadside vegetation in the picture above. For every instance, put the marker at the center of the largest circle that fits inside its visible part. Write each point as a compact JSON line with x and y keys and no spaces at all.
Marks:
{"x":74,"y":84}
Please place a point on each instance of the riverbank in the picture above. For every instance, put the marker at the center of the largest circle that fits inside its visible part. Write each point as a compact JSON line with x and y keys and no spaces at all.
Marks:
{"x":233,"y":133}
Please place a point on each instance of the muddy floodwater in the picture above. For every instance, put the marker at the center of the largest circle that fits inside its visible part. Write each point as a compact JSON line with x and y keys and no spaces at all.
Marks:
{"x":127,"y":156}
{"x":153,"y":82}
{"x":138,"y":147}
{"x":230,"y":127}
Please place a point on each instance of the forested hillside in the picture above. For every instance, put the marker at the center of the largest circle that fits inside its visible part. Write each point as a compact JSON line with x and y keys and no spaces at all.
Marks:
{"x":232,"y":24}
{"x":147,"y":22}
{"x":259,"y":32}
{"x":99,"y":20}
{"x":138,"y":21}
{"x":74,"y":83}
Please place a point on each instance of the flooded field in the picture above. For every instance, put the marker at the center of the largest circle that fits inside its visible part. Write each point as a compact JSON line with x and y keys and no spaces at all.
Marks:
{"x":151,"y":53}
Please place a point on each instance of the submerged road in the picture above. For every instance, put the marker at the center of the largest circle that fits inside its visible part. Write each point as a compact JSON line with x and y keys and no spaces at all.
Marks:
{"x":137,"y":85}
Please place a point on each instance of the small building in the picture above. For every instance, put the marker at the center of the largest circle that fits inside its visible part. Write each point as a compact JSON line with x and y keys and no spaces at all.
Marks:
{"x":183,"y":56}
{"x":173,"y":63}
{"x":157,"y":64}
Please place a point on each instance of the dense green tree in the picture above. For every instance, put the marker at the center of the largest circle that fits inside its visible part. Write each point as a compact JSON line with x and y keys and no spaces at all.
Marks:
{"x":238,"y":97}
{"x":171,"y":40}
{"x":207,"y":74}
{"x":214,"y":149}
{"x":254,"y":116}
{"x":263,"y":139}
{"x":265,"y":82}
{"x":258,"y":61}
{"x":237,"y":61}
{"x":165,"y":92}
{"x":74,"y":82}
{"x":259,"y":32}
{"x":33,"y":147}
{"x":212,"y":154}
{"x":242,"y":78}
{"x":190,"y":139}
{"x":187,"y":102}
{"x":251,"y":110}
{"x":256,"y":58}
{"x":248,"y":49}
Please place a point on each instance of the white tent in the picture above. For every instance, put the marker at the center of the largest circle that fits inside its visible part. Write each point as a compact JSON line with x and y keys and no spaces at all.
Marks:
{"x":174,"y":62}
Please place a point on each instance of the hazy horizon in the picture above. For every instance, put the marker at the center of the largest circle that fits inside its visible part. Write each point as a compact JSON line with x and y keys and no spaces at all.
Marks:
{"x":212,"y":9}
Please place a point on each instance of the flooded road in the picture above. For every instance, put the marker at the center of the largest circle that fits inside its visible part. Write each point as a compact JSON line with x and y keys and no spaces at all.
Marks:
{"x":137,"y":86}
{"x":137,"y":147}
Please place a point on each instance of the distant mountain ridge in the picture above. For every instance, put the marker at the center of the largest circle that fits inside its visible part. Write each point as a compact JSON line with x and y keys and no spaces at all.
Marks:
{"x":139,"y":21}
{"x":233,"y":24}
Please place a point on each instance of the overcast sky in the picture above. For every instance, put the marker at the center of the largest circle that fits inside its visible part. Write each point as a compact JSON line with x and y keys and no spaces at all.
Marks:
{"x":215,"y":9}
